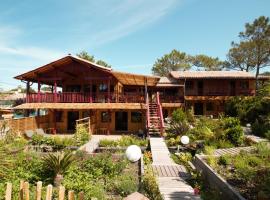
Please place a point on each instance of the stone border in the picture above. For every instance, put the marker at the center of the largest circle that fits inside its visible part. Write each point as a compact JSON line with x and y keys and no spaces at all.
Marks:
{"x":215,"y":180}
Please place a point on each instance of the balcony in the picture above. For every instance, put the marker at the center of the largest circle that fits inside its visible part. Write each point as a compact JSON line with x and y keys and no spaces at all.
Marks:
{"x":216,"y":92}
{"x":80,"y":97}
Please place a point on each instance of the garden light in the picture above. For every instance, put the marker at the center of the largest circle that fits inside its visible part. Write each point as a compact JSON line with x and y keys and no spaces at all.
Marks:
{"x":184,"y":139}
{"x":133,"y":153}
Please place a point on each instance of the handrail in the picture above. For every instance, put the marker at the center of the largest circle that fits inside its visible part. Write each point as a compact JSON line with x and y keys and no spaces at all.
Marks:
{"x":147,"y":112}
{"x":160,"y":113}
{"x":85,"y":121}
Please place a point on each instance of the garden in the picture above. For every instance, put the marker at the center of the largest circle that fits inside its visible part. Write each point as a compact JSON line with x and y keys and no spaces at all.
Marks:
{"x":57,"y":161}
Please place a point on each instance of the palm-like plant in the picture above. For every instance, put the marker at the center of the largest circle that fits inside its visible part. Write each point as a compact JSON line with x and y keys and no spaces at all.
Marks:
{"x":58,"y":163}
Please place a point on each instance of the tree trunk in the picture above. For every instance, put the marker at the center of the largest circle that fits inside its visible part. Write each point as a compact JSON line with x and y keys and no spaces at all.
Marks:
{"x":58,"y":180}
{"x":257,"y":81}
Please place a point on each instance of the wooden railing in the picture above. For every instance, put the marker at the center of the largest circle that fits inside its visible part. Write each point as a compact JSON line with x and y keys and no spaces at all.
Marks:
{"x":24,"y":192}
{"x":147,"y":112}
{"x":80,"y":97}
{"x":171,"y":98}
{"x":160,"y":114}
{"x":222,"y":92}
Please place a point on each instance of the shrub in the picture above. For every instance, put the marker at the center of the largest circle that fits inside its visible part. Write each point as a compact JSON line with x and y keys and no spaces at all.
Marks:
{"x":125,"y":185}
{"x":184,"y":158}
{"x":179,"y":124}
{"x":108,"y":143}
{"x":233,"y":130}
{"x":150,"y":185}
{"x":209,"y":150}
{"x":81,"y":135}
{"x":124,"y":141}
{"x":224,"y":160}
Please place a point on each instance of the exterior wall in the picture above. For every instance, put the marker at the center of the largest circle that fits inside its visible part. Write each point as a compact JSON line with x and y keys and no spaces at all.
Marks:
{"x":218,"y":107}
{"x":220,"y":87}
{"x":96,"y":123}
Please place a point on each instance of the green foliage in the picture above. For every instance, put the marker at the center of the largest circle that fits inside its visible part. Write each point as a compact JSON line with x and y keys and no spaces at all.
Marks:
{"x":124,"y":141}
{"x":81,"y":135}
{"x":87,"y":56}
{"x":58,"y":162}
{"x":183,"y":158}
{"x":224,"y":160}
{"x":147,"y":157}
{"x":180,"y":123}
{"x":57,"y":143}
{"x":150,"y":185}
{"x":207,"y":63}
{"x":253,"y":110}
{"x":125,"y":185}
{"x":209,"y":150}
{"x":174,"y":61}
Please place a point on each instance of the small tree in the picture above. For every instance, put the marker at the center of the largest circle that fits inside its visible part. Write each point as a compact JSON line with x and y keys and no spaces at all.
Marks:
{"x":207,"y":63}
{"x":86,"y":56}
{"x":58,"y":163}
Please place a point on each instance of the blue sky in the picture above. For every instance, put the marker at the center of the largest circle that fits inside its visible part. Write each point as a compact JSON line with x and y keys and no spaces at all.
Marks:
{"x":128,"y":34}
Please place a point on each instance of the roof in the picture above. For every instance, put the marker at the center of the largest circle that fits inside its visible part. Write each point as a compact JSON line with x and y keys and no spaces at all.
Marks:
{"x":168,"y":82}
{"x":80,"y":106}
{"x":214,"y":75}
{"x":135,"y":79}
{"x":124,"y":78}
{"x":12,"y":97}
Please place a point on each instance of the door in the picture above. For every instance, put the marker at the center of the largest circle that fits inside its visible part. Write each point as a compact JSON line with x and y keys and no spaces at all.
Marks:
{"x":121,"y":121}
{"x":72,"y":117}
{"x":198,"y":109}
{"x":232,"y":88}
{"x":200,"y":88}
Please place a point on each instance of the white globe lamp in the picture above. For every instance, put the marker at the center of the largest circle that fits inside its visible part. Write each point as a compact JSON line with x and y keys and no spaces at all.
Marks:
{"x":184,"y":140}
{"x":133,"y":153}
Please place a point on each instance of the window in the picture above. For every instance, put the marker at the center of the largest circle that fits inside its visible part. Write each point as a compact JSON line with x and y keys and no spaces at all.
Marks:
{"x":86,"y":114}
{"x":58,"y":116}
{"x":209,"y":107}
{"x":105,"y":116}
{"x":103,"y":87}
{"x":136,"y":117}
{"x":244,"y":85}
{"x":189,"y":85}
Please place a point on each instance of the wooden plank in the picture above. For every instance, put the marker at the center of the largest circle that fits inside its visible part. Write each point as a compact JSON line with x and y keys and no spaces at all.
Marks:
{"x":39,"y":190}
{"x":49,"y":192}
{"x":21,"y":190}
{"x":8,"y":191}
{"x":61,"y":195}
{"x":26,"y":194}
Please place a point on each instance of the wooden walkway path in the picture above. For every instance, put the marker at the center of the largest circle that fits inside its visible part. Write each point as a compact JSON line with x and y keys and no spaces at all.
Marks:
{"x":171,"y":177}
{"x":232,"y":151}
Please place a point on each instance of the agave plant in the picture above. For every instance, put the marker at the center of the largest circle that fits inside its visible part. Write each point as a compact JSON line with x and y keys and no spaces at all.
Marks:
{"x":58,"y":163}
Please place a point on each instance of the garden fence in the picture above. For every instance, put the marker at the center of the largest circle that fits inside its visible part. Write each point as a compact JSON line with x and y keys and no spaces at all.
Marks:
{"x":24,"y":192}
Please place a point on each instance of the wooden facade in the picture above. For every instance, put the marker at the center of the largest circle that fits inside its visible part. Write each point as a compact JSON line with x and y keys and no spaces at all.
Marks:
{"x":117,"y":102}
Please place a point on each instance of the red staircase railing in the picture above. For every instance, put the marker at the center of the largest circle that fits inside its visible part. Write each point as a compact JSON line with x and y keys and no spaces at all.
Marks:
{"x":160,"y":114}
{"x":147,"y":112}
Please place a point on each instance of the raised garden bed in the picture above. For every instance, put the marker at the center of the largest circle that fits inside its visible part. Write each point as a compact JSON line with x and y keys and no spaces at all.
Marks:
{"x":242,"y":176}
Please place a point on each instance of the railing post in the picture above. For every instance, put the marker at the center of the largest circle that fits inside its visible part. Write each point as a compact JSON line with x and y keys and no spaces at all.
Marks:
{"x":55,"y":91}
{"x":8,"y":191}
{"x":39,"y":99}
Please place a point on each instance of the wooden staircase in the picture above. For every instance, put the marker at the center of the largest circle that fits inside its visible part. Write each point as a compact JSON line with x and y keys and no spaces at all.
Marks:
{"x":155,"y":124}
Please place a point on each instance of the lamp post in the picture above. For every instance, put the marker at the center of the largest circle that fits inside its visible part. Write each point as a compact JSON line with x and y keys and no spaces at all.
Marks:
{"x":133,"y":153}
{"x":184,"y":140}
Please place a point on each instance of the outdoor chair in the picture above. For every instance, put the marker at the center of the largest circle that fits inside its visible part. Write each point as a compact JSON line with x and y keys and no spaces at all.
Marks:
{"x":29,"y":133}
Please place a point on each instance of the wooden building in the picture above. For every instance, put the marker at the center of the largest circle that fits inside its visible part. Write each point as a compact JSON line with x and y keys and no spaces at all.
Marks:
{"x":118,"y":102}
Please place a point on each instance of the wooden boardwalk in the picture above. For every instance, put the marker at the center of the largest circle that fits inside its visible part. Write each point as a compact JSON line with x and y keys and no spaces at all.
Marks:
{"x":232,"y":151}
{"x":170,"y":176}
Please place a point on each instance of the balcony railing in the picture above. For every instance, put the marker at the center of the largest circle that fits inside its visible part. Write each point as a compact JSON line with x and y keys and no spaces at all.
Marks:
{"x":80,"y":97}
{"x":242,"y":92}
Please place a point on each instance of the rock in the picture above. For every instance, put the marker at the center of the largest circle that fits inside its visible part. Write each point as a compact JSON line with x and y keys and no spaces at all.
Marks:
{"x":136,"y":196}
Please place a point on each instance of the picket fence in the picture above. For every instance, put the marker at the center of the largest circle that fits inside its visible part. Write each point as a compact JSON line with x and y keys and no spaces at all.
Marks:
{"x":24,"y":192}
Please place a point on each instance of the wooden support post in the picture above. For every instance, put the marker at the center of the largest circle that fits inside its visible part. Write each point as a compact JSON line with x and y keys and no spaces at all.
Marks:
{"x":145,"y":88}
{"x":49,"y":192}
{"x":81,"y":196}
{"x":109,"y":90}
{"x":26,"y":194}
{"x":71,"y":195}
{"x":8,"y":191}
{"x":61,"y":193}
{"x":21,"y":190}
{"x":39,"y":190}
{"x":27,"y":91}
{"x":91,"y":92}
{"x":55,"y":91}
{"x":55,"y":124}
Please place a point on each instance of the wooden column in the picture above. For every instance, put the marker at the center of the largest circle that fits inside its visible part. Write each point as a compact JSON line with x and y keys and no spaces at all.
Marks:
{"x":91,"y":91}
{"x":145,"y":88}
{"x":27,"y":91}
{"x":39,"y":97}
{"x":54,"y":118}
{"x":55,"y":91}
{"x":109,"y":90}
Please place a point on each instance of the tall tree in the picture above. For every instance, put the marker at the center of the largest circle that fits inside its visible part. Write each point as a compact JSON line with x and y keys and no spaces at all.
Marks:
{"x":103,"y":63}
{"x":173,"y":61}
{"x":258,"y":35}
{"x":87,"y":56}
{"x":207,"y":63}
{"x":241,"y":57}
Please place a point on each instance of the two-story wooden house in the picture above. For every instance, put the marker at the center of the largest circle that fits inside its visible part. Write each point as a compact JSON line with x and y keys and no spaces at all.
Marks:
{"x":118,"y":102}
